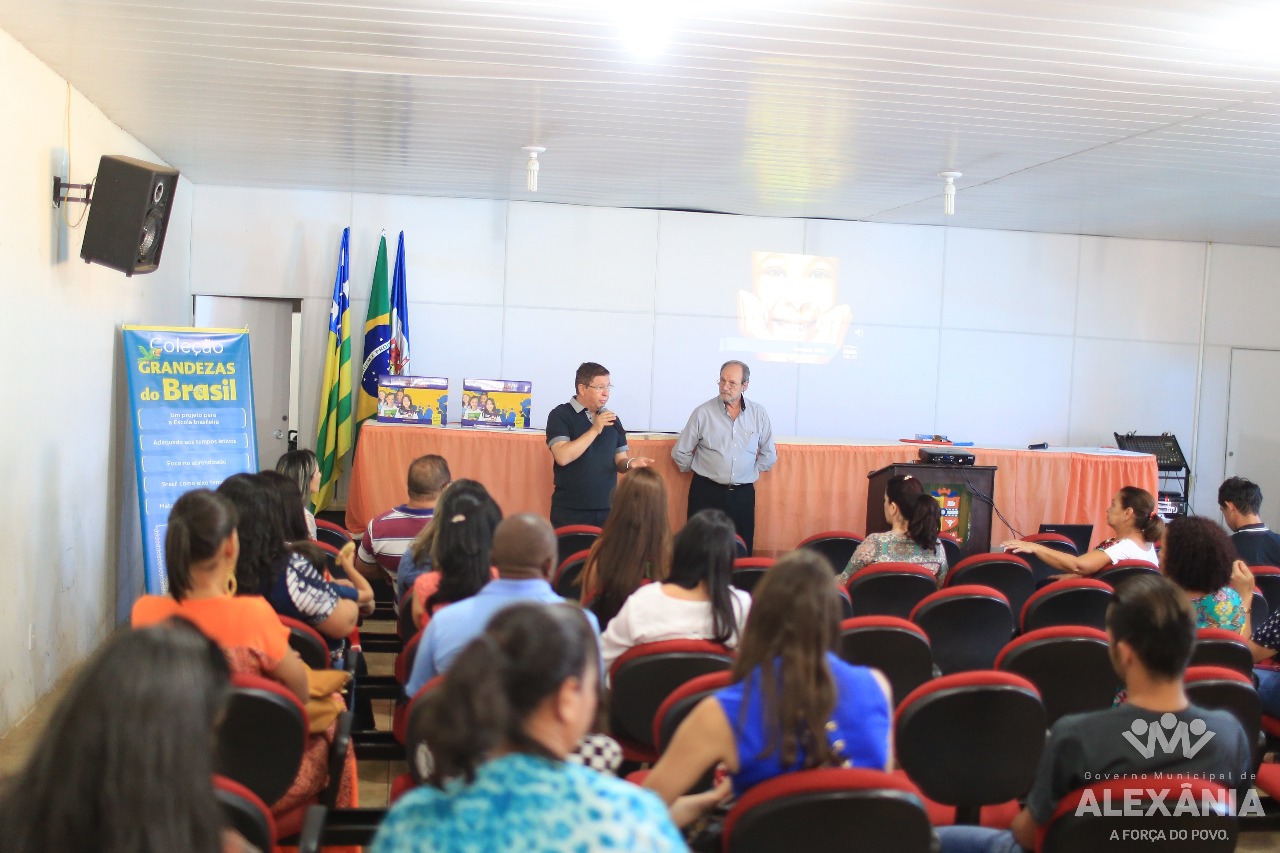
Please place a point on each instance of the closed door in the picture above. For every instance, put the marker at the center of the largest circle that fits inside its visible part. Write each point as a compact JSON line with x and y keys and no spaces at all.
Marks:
{"x":270,"y":325}
{"x":1253,"y":426}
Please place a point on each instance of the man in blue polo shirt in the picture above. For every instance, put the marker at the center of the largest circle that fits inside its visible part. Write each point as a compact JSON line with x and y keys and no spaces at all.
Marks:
{"x":589,"y":447}
{"x":524,"y":550}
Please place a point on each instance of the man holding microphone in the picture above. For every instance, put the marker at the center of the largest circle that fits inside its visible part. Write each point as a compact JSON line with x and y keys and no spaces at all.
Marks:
{"x":590,"y":449}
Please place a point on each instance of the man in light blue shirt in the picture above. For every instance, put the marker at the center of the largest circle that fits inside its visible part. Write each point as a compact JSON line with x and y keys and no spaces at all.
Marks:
{"x":524,"y":550}
{"x":727,"y":444}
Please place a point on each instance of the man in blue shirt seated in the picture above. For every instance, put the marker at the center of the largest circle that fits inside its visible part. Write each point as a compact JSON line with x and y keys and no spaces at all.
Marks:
{"x":1151,"y":626}
{"x":524,"y":550}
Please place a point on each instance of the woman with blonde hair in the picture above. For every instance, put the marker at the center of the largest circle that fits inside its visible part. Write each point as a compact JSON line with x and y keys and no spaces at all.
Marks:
{"x":634,"y":547}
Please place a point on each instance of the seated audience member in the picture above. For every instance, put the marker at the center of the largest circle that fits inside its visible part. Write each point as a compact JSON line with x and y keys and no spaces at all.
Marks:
{"x":524,"y":549}
{"x":416,"y":560}
{"x":303,"y":468}
{"x":519,"y":697}
{"x":1151,"y":627}
{"x":633,"y":549}
{"x":200,"y":553}
{"x":283,"y":572}
{"x":387,"y":537}
{"x":793,"y":704}
{"x":201,"y":550}
{"x":1198,"y":557}
{"x":1256,"y":544}
{"x":915,"y":518}
{"x":1264,"y":645}
{"x":134,"y":730}
{"x":1132,"y":515}
{"x":459,"y":543}
{"x":695,"y":602}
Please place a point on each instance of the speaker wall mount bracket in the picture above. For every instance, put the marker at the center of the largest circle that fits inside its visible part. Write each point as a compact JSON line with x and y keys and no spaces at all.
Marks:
{"x":62,"y":192}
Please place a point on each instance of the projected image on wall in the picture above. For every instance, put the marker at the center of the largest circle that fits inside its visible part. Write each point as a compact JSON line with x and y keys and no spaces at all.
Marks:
{"x":792,"y":311}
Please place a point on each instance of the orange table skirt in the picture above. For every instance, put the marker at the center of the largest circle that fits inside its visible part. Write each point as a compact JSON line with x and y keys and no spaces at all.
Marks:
{"x":813,"y":487}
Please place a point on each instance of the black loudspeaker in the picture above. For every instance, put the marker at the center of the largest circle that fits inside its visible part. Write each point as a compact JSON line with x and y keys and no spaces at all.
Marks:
{"x":129,"y":214}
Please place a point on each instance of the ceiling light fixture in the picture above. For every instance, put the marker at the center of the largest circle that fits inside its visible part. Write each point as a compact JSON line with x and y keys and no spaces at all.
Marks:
{"x":531,"y":171}
{"x":949,"y":192}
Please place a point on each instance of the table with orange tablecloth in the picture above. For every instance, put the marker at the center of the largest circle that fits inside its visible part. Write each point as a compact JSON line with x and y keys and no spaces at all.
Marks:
{"x":814,"y":486}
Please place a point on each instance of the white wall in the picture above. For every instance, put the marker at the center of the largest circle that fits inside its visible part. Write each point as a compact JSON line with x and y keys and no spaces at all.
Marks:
{"x":1004,"y":338}
{"x":72,"y":563}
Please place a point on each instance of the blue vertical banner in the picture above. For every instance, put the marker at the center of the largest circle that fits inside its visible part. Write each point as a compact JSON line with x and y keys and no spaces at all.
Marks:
{"x":191,"y":407}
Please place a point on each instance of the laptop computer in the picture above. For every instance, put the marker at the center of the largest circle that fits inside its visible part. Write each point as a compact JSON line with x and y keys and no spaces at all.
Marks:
{"x":1077,"y":533}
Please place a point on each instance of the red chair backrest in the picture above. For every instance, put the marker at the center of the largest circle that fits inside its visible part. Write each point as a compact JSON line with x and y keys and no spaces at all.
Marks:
{"x":896,"y":647}
{"x":307,"y":642}
{"x":1069,"y":664}
{"x":332,"y":534}
{"x":749,"y":571}
{"x":1125,"y":569}
{"x":1070,"y":601}
{"x":971,"y":739}
{"x":828,"y":809}
{"x":682,"y":700}
{"x":1229,"y":690}
{"x":646,"y":674}
{"x":1268,"y":580}
{"x":1056,"y":541}
{"x":967,"y":626}
{"x":890,"y":589}
{"x":262,"y":736}
{"x":569,"y":574}
{"x":836,"y":545}
{"x":245,"y":812}
{"x":1008,"y":573}
{"x":1220,"y":647}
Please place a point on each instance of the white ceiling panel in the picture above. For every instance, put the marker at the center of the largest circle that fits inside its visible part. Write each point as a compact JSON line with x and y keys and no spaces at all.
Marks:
{"x":1143,"y":118}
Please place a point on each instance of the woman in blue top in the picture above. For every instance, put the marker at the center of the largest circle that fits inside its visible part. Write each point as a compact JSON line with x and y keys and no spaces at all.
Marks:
{"x":514,"y":704}
{"x":793,"y":705}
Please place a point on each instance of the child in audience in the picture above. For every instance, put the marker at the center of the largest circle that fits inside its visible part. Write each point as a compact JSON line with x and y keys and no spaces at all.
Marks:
{"x":515,"y":703}
{"x":633,"y":549}
{"x":793,"y":704}
{"x":125,"y":763}
{"x":303,"y":468}
{"x":695,"y":602}
{"x":455,"y":548}
{"x":1132,"y":515}
{"x":915,"y":519}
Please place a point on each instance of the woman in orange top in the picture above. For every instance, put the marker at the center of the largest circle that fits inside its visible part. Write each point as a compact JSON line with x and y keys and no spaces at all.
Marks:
{"x":201,"y":547}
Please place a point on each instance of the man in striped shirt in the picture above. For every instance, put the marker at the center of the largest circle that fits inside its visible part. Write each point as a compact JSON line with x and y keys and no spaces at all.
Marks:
{"x":387,"y":537}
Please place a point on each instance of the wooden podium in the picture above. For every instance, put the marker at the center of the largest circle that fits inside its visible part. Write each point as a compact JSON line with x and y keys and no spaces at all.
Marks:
{"x":957,"y":488}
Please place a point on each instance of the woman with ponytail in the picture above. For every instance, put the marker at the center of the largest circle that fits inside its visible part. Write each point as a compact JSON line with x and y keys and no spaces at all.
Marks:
{"x":200,"y":551}
{"x":514,"y":704}
{"x":793,"y":704}
{"x":914,"y":519}
{"x":455,"y":549}
{"x":1132,"y":515}
{"x":695,"y":602}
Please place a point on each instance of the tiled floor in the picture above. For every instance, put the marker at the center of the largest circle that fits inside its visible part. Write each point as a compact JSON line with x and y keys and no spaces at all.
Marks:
{"x":375,"y":776}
